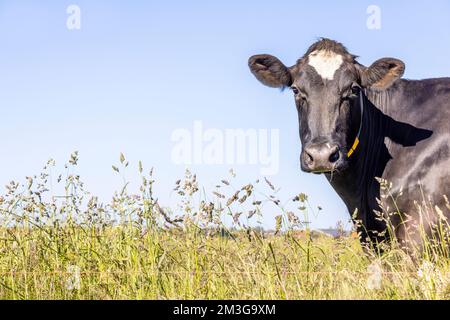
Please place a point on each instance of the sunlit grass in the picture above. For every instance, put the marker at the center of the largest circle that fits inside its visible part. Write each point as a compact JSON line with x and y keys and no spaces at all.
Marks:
{"x":64,"y":244}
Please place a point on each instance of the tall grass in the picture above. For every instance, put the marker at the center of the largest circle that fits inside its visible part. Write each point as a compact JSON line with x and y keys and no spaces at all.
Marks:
{"x":59,"y":242}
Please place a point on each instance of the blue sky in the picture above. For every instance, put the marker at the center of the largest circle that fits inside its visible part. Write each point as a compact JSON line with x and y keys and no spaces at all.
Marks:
{"x":138,"y":70}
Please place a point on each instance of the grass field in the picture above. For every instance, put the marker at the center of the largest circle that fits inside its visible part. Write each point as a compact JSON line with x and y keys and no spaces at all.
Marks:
{"x":70,"y":246}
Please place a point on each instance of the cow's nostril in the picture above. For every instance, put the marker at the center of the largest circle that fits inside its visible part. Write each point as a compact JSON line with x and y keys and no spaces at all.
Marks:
{"x":309,"y":158}
{"x":334,"y":156}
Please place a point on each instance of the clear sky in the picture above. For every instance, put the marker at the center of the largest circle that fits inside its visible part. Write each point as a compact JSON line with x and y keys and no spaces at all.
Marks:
{"x":138,"y":70}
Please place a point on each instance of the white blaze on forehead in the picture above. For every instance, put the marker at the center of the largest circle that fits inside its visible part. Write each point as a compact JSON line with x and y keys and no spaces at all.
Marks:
{"x":325,"y":62}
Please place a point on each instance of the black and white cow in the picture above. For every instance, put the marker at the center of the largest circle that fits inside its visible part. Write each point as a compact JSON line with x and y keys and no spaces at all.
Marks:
{"x":359,"y":123}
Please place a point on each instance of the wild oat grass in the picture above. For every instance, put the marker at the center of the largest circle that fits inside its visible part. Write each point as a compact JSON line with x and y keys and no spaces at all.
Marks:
{"x":70,"y":246}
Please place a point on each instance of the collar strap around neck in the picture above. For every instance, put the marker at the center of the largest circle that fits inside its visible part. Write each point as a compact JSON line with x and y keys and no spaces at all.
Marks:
{"x":356,"y":142}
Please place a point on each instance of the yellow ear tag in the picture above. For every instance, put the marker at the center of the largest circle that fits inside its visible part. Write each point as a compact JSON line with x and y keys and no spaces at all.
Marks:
{"x":353,"y":148}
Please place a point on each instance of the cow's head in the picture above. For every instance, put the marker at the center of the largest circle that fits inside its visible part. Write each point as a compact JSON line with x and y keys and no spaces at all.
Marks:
{"x":326,"y":83}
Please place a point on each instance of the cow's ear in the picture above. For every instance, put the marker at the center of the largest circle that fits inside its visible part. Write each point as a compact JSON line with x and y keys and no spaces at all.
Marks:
{"x":270,"y":71}
{"x":382,"y":73}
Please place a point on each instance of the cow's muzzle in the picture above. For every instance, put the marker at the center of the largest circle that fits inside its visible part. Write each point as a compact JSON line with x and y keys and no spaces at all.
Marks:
{"x":320,"y":158}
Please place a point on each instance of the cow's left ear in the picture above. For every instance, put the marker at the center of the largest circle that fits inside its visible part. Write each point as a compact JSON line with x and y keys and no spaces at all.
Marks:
{"x":270,"y":71}
{"x":382,"y":73}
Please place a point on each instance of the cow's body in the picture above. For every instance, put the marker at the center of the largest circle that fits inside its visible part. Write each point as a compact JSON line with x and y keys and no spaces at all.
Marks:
{"x":359,"y":124}
{"x":408,"y":146}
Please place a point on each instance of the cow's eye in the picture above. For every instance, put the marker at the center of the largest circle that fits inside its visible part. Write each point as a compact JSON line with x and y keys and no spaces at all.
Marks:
{"x":355,"y":90}
{"x":352,"y":93}
{"x":298,"y":94}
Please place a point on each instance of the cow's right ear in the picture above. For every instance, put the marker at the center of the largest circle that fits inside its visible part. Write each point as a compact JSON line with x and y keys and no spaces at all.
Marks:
{"x":270,"y":71}
{"x":383,"y":73}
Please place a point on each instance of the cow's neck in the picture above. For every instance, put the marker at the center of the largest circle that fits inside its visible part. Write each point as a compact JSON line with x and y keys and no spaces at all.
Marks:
{"x":357,"y":185}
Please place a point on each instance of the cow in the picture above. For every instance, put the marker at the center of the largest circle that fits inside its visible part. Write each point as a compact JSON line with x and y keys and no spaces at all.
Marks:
{"x":368,"y":130}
